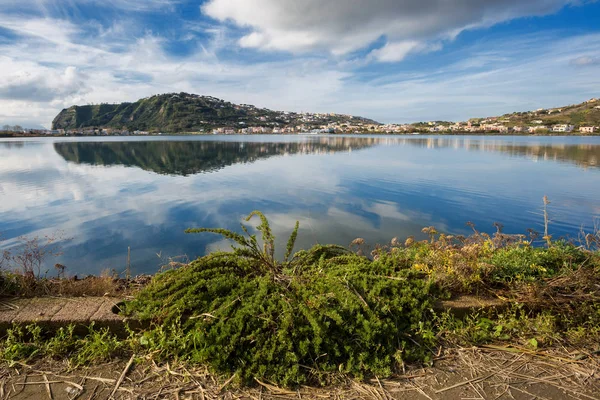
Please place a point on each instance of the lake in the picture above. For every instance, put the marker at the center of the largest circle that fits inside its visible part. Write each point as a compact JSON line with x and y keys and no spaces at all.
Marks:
{"x":108,"y":194}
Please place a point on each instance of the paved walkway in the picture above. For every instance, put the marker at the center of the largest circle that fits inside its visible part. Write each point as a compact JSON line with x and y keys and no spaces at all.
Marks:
{"x":54,"y":312}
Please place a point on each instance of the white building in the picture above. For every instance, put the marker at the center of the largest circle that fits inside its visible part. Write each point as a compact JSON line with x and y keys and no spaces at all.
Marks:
{"x":563,"y":128}
{"x":587,"y":129}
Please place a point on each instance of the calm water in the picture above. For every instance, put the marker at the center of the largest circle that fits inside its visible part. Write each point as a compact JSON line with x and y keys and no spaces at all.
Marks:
{"x":111,"y":193}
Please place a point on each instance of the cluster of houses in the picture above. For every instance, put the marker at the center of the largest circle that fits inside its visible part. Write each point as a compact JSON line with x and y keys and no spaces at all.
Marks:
{"x":83,"y":132}
{"x":501,"y":128}
{"x":431,"y":127}
{"x":460,"y":127}
{"x":256,"y":130}
{"x":299,"y":129}
{"x":484,"y":127}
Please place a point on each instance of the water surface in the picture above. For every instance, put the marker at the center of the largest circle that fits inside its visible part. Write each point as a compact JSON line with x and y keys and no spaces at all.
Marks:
{"x":109,"y":194}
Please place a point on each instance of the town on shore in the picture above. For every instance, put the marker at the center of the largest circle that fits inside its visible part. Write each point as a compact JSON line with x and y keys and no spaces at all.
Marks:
{"x":582,"y":119}
{"x":487,"y":126}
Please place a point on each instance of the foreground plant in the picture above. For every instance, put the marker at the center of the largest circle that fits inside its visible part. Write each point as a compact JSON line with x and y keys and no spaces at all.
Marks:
{"x":315,"y":315}
{"x":321,"y":311}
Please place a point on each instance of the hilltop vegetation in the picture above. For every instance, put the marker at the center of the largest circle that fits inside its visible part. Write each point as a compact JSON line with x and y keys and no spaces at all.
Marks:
{"x":183,"y":112}
{"x":583,"y":114}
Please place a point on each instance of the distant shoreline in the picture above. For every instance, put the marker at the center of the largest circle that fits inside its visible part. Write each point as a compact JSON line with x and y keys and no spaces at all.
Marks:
{"x":554,"y":134}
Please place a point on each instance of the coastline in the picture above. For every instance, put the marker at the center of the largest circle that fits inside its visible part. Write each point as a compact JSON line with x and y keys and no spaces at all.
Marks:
{"x":487,"y":134}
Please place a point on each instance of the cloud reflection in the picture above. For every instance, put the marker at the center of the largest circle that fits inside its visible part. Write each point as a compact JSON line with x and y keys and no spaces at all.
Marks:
{"x":145,"y":192}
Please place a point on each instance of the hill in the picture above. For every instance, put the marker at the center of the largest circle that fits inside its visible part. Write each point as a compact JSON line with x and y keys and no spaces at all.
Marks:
{"x":582,"y":118}
{"x":183,"y":112}
{"x":583,"y":114}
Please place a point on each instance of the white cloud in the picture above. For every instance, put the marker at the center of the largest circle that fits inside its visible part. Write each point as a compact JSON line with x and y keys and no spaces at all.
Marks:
{"x":47,"y":29}
{"x":31,"y":82}
{"x":67,"y":6}
{"x":397,"y":51}
{"x":343,"y":26}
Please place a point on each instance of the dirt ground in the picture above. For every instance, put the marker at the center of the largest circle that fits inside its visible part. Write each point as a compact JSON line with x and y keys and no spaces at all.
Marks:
{"x":473,"y":373}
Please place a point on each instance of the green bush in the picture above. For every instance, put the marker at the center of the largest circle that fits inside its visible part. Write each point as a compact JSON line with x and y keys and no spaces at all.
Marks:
{"x":527,"y":263}
{"x":324,"y":311}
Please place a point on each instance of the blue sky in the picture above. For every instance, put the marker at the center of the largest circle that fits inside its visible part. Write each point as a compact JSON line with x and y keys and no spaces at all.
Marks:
{"x":390,"y":60}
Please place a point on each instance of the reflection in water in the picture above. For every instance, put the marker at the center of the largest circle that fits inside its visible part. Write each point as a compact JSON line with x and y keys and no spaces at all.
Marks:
{"x":13,"y":144}
{"x":109,"y":194}
{"x":192,"y":157}
{"x":583,"y":155}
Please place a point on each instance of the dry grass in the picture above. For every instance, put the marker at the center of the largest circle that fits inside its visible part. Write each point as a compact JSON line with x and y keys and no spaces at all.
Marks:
{"x":91,"y":286}
{"x":578,"y":286}
{"x":470,"y":373}
{"x":98,"y":286}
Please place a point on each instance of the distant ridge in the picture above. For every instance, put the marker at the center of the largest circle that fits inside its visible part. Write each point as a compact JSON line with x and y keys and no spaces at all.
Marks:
{"x":184,"y":112}
{"x":586,"y":113}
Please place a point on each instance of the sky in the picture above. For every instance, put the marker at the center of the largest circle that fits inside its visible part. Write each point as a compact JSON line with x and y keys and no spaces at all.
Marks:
{"x":390,"y":60}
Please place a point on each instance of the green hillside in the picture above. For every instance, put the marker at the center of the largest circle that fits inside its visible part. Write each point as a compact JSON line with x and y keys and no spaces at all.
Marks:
{"x":583,"y":114}
{"x":183,"y":112}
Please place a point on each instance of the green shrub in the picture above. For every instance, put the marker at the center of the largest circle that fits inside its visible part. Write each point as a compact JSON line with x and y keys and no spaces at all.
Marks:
{"x":324,"y":311}
{"x":527,"y":263}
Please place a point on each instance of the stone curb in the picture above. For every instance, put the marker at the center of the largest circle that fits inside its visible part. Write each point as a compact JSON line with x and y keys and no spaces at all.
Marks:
{"x":55,"y":312}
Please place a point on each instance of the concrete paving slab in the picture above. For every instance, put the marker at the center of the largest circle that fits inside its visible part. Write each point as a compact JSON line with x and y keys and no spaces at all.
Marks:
{"x":38,"y":309}
{"x":78,"y":310}
{"x":56,"y":312}
{"x":105,"y":311}
{"x":10,"y":308}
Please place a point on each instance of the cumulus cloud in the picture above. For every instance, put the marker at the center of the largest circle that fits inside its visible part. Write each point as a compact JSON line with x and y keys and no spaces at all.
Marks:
{"x":343,"y":26}
{"x":26,"y":81}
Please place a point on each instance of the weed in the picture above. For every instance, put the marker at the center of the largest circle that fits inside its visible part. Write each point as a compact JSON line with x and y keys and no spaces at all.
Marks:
{"x":25,"y":343}
{"x":97,"y":346}
{"x":62,"y":343}
{"x":21,"y":266}
{"x":21,"y":343}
